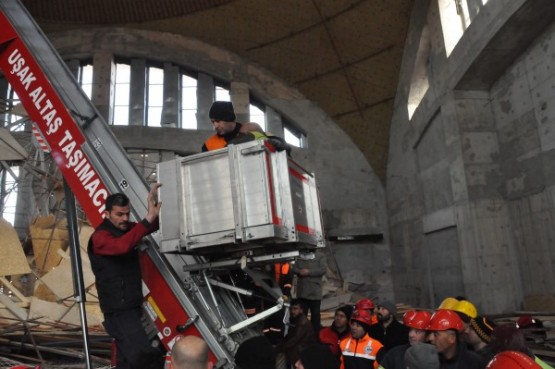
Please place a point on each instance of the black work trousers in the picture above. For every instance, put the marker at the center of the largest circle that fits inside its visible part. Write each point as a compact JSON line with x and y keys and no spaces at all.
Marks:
{"x":314,"y":307}
{"x":134,"y":350}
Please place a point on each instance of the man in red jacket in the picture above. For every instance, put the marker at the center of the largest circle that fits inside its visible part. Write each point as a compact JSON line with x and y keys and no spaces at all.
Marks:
{"x":338,"y":330}
{"x":115,"y":264}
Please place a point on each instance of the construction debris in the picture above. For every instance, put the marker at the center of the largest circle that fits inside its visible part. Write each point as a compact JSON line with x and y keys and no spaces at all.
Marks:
{"x":46,"y":326}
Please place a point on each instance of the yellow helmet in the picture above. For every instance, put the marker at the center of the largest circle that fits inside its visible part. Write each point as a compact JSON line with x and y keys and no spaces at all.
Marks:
{"x":448,"y":304}
{"x":467,"y":308}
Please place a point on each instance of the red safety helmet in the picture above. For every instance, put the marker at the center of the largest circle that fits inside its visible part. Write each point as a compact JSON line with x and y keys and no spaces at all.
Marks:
{"x":443,"y":320}
{"x":365,"y":304}
{"x":362,"y":316}
{"x":512,"y":360}
{"x":417,"y":319}
{"x":525,"y":321}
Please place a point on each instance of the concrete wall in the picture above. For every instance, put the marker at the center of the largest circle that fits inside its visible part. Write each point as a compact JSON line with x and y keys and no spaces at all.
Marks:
{"x":470,"y":182}
{"x":353,"y":198}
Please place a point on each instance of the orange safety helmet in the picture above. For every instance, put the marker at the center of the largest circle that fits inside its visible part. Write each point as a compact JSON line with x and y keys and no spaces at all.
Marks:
{"x":417,"y":319}
{"x":362,"y":316}
{"x":364,"y":304}
{"x":467,"y":308}
{"x":512,"y":360}
{"x":448,"y":304}
{"x":443,"y":320}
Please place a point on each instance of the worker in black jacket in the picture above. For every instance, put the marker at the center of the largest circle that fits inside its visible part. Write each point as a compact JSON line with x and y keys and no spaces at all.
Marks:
{"x":445,"y":328}
{"x":388,"y":330}
{"x":115,"y":264}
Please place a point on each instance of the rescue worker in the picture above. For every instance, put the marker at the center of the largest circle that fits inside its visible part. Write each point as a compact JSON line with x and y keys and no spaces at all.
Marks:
{"x":512,"y":360}
{"x":339,"y":329}
{"x":507,"y":337}
{"x":478,"y":335}
{"x":359,"y":350}
{"x":448,"y":303}
{"x":445,"y":327}
{"x":284,"y":277}
{"x":310,"y":268}
{"x":417,"y":322}
{"x":300,"y":334}
{"x":317,"y":357}
{"x":256,"y":353}
{"x":115,"y":264}
{"x":421,"y":356}
{"x":368,"y":305}
{"x":466,"y":310}
{"x":388,"y":330}
{"x":222,"y":116}
{"x":274,"y":326}
{"x":190,"y":352}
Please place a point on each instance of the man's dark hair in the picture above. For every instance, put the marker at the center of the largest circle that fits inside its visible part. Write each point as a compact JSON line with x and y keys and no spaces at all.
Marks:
{"x":117,"y":199}
{"x":300,"y":303}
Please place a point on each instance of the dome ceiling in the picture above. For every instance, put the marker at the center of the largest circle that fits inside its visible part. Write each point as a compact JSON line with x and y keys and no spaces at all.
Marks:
{"x":343,"y":55}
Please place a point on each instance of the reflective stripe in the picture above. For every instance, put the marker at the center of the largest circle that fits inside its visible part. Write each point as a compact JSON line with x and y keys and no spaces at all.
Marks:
{"x":358,"y":354}
{"x":361,"y":349}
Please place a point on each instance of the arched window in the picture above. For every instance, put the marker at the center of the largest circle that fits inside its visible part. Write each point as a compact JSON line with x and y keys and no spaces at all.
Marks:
{"x":151,"y":101}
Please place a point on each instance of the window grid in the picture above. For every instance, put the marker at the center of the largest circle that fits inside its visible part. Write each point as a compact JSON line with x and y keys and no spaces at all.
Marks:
{"x":155,"y":100}
{"x":86,"y":79}
{"x":10,"y":188}
{"x":121,"y":94}
{"x":188,"y":102}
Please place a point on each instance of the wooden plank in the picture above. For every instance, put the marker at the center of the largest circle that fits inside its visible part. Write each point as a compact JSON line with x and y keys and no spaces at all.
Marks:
{"x":69,"y":314}
{"x":46,"y":310}
{"x":60,"y":279}
{"x":14,"y":261}
{"x":47,"y":236}
{"x":13,"y":308}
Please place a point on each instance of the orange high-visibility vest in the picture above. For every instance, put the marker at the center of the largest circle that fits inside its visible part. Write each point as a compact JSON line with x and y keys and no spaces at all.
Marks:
{"x":215,"y":142}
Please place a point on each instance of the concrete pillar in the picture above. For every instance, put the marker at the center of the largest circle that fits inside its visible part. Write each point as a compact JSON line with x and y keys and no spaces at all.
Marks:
{"x":274,"y":124}
{"x":205,"y":98}
{"x":239,"y":92}
{"x":103,"y":87}
{"x":170,"y":110}
{"x":137,"y":92}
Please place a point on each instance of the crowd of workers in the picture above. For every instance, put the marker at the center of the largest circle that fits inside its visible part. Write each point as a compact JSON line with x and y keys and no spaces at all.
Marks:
{"x":369,"y":335}
{"x":365,"y":335}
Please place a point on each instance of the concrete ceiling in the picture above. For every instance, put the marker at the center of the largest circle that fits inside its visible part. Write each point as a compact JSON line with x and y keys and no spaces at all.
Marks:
{"x":345,"y":55}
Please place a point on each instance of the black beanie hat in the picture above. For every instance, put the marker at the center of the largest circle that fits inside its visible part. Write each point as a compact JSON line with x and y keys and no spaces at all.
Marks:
{"x":222,"y":110}
{"x":318,"y":356}
{"x":256,"y":353}
{"x":347,"y":310}
{"x":483,"y":327}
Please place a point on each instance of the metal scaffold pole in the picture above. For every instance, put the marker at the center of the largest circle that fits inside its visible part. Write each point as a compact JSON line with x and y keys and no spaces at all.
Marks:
{"x":76,"y":267}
